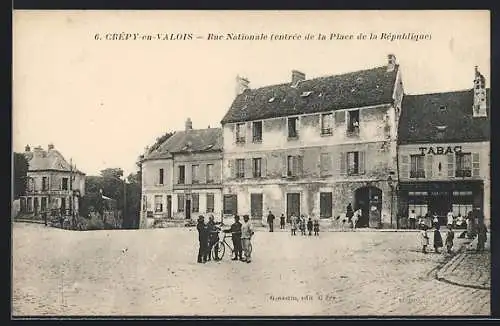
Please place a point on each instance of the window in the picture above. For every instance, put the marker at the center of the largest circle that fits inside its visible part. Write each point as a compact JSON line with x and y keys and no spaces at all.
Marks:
{"x":195,"y":203}
{"x":352,"y":163}
{"x":417,"y":201}
{"x":464,"y":165}
{"x":44,"y":204}
{"x":44,"y":183}
{"x":210,"y":203}
{"x":210,"y":173}
{"x":294,"y":166}
{"x":325,"y":204}
{"x":195,"y":173}
{"x":353,"y":123}
{"x":256,"y":205}
{"x":158,"y":203}
{"x":325,"y":164}
{"x":144,"y":203}
{"x":327,"y":124}
{"x":256,"y":167}
{"x":240,"y":168}
{"x":29,"y":204}
{"x":230,"y":204}
{"x":161,"y":177}
{"x":257,"y":132}
{"x":64,"y":183}
{"x":292,"y":127}
{"x":240,"y":133}
{"x":182,"y":175}
{"x":180,"y":203}
{"x":417,"y":166}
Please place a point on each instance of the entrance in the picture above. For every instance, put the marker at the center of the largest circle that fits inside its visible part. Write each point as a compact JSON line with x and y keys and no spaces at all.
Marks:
{"x":35,"y":204}
{"x":256,"y":206}
{"x":292,"y":204}
{"x":169,"y":206}
{"x":365,"y":199}
{"x":188,"y":209}
{"x":63,"y":206}
{"x":439,"y":203}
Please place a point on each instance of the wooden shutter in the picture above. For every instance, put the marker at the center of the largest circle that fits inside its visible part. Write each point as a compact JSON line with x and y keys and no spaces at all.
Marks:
{"x":284,"y":158}
{"x":263,"y":167}
{"x":339,"y":117}
{"x":451,"y":165}
{"x":202,"y":173}
{"x":361,"y":162}
{"x":475,"y":165}
{"x":405,"y":166}
{"x":342,"y":163}
{"x":297,"y":126}
{"x":429,"y":166}
{"x":232,"y":168}
{"x":300,"y":165}
{"x":248,"y":168}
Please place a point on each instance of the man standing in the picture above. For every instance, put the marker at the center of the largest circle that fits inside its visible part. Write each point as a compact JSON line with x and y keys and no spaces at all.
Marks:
{"x":270,"y":221}
{"x":236,"y":236}
{"x":412,"y":218}
{"x":246,"y":236}
{"x":282,"y":221}
{"x":202,"y":239}
{"x":349,"y":213}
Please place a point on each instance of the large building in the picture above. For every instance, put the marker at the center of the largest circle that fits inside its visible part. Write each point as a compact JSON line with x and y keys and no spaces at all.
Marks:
{"x":53,"y":184}
{"x":182,"y":178}
{"x":444,"y":152}
{"x":312,"y":146}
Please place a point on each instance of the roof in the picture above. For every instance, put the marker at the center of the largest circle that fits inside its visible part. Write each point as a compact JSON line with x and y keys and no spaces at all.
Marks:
{"x":351,"y":90}
{"x":423,"y":115}
{"x":189,"y":141}
{"x":42,"y":160}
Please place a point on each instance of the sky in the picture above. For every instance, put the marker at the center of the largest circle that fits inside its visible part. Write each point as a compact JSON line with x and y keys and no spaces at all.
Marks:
{"x":101,"y":102}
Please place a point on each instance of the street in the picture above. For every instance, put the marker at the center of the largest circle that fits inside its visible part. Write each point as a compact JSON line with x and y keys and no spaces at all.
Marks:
{"x":154,"y":272}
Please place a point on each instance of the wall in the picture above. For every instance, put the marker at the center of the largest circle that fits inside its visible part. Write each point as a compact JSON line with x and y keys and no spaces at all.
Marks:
{"x":200,"y":159}
{"x":151,"y":177}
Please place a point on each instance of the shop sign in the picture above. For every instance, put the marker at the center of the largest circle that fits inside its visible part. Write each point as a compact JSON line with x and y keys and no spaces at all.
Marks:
{"x":440,"y":150}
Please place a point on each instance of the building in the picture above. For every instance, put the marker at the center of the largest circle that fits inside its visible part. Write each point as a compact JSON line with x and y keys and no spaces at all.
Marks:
{"x":444,"y":152}
{"x":312,"y":146}
{"x":182,"y":178}
{"x":53,"y":184}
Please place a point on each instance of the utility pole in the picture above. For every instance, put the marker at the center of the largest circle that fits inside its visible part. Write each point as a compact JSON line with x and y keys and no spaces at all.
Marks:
{"x":124,"y":200}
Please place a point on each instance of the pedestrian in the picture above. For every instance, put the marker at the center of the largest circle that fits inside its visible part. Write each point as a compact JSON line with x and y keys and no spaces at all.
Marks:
{"x":424,"y":238}
{"x":449,"y":218}
{"x":213,"y":238}
{"x":435,"y":220}
{"x":302,"y":225}
{"x":310,"y":226}
{"x":316,"y":227}
{"x":236,"y":236}
{"x":246,"y":237}
{"x":438,"y":240}
{"x":355,"y":218}
{"x":202,"y":239}
{"x":412,"y":217}
{"x":293,"y":224}
{"x":481,"y":236}
{"x":349,"y":212}
{"x":270,"y":221}
{"x":450,"y":235}
{"x":282,"y":221}
{"x":470,"y":225}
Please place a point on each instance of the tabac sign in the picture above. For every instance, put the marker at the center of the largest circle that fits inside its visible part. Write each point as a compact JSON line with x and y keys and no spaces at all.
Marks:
{"x":440,"y":150}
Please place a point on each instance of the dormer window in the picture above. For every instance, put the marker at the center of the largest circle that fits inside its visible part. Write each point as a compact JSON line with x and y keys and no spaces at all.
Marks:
{"x":441,"y":128}
{"x":240,"y":133}
{"x":305,"y":94}
{"x":442,"y":108}
{"x":271,"y":100}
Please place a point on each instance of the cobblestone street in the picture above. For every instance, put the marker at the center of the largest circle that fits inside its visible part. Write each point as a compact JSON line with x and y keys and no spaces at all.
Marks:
{"x":154,"y":272}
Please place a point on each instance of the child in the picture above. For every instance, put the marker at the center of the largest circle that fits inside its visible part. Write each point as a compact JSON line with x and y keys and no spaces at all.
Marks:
{"x":424,"y":238}
{"x":293,"y":221}
{"x":316,"y":227}
{"x":302,"y":225}
{"x":246,"y":236}
{"x":438,"y":240}
{"x":450,"y":235}
{"x":310,"y":226}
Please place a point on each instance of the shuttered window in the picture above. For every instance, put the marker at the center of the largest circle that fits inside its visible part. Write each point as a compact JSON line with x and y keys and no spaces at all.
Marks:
{"x":430,"y":163}
{"x":405,"y":169}
{"x":180,"y":203}
{"x":325,"y":204}
{"x":475,"y":165}
{"x":195,"y":203}
{"x":230,"y":204}
{"x":210,"y":203}
{"x":294,"y":165}
{"x":451,"y":165}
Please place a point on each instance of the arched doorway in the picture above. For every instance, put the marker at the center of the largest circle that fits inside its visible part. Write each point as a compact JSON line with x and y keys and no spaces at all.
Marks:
{"x":367,"y":198}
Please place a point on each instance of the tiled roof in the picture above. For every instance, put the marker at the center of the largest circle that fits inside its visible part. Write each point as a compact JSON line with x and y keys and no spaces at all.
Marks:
{"x":423,"y":115}
{"x":351,"y":90}
{"x":189,"y":141}
{"x":40,"y":160}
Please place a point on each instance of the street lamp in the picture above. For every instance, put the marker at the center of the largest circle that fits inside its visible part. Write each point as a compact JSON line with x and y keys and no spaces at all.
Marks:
{"x":390,"y":182}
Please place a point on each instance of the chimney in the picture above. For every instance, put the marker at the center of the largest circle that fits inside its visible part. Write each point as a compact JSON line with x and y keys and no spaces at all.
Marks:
{"x":297,"y":77}
{"x":391,"y":62}
{"x":27,"y":148}
{"x":189,"y":124}
{"x":242,"y":84}
{"x":479,"y":106}
{"x":50,"y":147}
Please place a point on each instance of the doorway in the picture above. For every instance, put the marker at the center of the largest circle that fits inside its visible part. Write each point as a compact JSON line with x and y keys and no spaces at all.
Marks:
{"x":35,"y":205}
{"x":188,"y":209}
{"x":256,"y":206}
{"x":63,"y":206}
{"x":439,"y":204}
{"x":169,"y":206}
{"x":292,"y":204}
{"x":365,"y":199}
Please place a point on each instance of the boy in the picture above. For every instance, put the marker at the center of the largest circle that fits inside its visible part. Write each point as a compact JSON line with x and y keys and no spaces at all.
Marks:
{"x":316,"y":227}
{"x":450,"y":235}
{"x":293,"y":221}
{"x":236,"y":235}
{"x":246,"y":236}
{"x":424,"y":238}
{"x":309,"y":226}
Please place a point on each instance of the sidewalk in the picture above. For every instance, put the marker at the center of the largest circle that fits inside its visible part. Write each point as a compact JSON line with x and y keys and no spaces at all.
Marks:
{"x":469,"y":268}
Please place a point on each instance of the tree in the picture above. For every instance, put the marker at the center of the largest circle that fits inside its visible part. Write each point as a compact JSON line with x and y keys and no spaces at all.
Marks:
{"x":21,"y":167}
{"x":131,"y":220}
{"x":160,"y":140}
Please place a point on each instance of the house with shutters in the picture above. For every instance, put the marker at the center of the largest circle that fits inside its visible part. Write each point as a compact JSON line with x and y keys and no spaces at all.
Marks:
{"x":54,"y":186}
{"x":444,"y":152}
{"x":312,"y":146}
{"x":181,"y":179}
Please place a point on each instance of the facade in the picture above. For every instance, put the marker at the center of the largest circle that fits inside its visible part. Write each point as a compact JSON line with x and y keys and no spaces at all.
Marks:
{"x":314,"y":146}
{"x":53,"y":185}
{"x":444,"y":152}
{"x":182,"y":178}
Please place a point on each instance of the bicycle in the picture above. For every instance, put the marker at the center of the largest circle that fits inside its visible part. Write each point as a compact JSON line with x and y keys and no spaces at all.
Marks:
{"x":221,"y":245}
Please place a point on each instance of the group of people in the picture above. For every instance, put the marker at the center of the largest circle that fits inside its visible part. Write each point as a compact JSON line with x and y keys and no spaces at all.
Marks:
{"x":300,"y":223}
{"x":458,"y":221}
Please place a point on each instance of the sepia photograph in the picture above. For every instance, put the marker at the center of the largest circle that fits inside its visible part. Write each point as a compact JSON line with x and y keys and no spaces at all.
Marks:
{"x":250,"y":163}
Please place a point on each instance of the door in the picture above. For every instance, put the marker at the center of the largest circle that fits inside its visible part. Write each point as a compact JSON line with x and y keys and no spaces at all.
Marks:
{"x":35,"y":205}
{"x":369,"y":200}
{"x":256,"y":206}
{"x":169,"y":206}
{"x":439,"y":204}
{"x":188,"y":208}
{"x":63,"y":206}
{"x":292,"y":204}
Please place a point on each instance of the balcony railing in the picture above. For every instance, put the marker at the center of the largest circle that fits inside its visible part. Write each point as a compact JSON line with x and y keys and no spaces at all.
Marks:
{"x":417,"y":174}
{"x":326,"y":131}
{"x":257,"y":139}
{"x":464,"y":173}
{"x":240,"y":140}
{"x":352,"y":131}
{"x":353,"y":171}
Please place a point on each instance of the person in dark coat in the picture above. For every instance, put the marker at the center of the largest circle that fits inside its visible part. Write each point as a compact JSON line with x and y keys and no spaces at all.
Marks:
{"x":316,"y":226}
{"x":282,"y":221}
{"x":213,"y":238}
{"x":309,"y":226}
{"x":349,"y":213}
{"x":270,"y":221}
{"x":481,"y":236}
{"x":438,"y":240}
{"x":203,"y":239}
{"x":236,"y":236}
